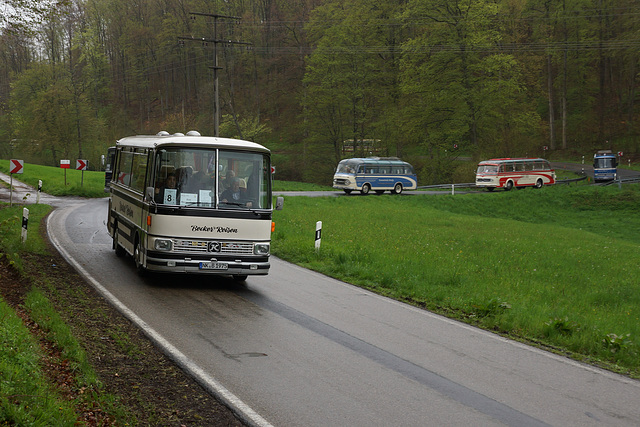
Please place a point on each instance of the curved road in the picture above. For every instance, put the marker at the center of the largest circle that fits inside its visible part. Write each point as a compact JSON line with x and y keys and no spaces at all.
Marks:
{"x":296,"y":348}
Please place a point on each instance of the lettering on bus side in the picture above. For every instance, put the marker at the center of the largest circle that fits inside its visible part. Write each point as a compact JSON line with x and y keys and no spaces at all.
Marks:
{"x":125,"y":209}
{"x":214,"y":229}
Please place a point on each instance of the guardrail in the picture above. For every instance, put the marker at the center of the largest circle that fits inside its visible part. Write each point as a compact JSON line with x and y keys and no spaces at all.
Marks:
{"x":619,"y":181}
{"x":452,"y":187}
{"x":446,"y":186}
{"x":569,"y":181}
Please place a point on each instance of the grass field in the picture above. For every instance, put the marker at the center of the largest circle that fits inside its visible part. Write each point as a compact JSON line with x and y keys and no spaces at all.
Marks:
{"x":78,"y":183}
{"x":557,"y":266}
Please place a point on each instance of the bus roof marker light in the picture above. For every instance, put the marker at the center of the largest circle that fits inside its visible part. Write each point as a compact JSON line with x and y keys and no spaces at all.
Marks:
{"x":163,"y":133}
{"x":193,"y":133}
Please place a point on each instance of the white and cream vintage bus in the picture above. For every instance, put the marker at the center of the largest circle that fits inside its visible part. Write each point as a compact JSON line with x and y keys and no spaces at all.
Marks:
{"x":192,"y":204}
{"x":509,"y":173}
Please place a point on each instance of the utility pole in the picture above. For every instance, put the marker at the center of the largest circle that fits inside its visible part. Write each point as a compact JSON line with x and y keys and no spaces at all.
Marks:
{"x":215,"y":41}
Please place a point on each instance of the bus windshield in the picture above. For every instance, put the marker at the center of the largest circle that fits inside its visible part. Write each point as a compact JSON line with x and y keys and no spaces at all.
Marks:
{"x":604,"y":162}
{"x":488,"y":169}
{"x":212,"y":178}
{"x":347,"y":166}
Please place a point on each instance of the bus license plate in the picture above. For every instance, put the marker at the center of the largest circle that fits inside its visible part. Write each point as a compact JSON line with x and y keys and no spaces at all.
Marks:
{"x":214,"y":266}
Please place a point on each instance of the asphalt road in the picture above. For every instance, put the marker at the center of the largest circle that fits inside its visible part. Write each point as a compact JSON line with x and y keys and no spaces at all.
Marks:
{"x":296,"y":348}
{"x":587,"y":169}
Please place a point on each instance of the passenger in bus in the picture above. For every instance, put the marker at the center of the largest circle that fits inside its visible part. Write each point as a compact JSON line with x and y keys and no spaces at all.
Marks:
{"x":183,"y":176}
{"x":228,"y":181}
{"x":170,"y":183}
{"x":234,"y":195}
{"x":200,"y":181}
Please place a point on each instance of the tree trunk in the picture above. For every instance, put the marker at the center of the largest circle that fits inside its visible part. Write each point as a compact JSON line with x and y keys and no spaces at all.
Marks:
{"x":552,"y":142}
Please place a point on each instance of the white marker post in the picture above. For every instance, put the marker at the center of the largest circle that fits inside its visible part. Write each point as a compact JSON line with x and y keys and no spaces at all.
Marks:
{"x":318,"y":235}
{"x":25,"y":222}
{"x":39,"y":191}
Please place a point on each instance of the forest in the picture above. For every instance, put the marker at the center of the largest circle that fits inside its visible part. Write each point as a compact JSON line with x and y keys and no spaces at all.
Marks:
{"x":430,"y":81}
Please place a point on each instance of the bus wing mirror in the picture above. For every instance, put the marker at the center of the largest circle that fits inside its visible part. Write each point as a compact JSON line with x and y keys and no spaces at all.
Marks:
{"x":279,"y":203}
{"x":149,"y":193}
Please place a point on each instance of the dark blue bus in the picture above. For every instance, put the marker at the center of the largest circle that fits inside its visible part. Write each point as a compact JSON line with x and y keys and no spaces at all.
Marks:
{"x":604,"y":166}
{"x":108,"y":167}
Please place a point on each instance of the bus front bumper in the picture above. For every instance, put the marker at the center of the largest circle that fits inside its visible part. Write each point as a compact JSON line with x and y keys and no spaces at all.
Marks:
{"x":251,"y":267}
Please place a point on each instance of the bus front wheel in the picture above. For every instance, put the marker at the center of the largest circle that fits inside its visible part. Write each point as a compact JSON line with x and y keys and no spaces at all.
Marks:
{"x":347,"y":190}
{"x":137,"y":257}
{"x":365,"y":189}
{"x":538,"y":184}
{"x":397,"y":189}
{"x":508,"y":185}
{"x":240,"y":277}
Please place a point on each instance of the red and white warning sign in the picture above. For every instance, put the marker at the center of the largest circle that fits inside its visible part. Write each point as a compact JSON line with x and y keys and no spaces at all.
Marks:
{"x":65,"y":164}
{"x":81,"y":165}
{"x":16,"y":166}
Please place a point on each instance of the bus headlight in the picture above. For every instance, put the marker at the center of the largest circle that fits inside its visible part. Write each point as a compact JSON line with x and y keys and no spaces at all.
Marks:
{"x":261,"y":249}
{"x":162,"y":245}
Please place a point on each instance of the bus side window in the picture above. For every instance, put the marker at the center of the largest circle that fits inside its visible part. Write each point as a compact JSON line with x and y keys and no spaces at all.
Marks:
{"x":125,"y":160}
{"x":138,"y":171}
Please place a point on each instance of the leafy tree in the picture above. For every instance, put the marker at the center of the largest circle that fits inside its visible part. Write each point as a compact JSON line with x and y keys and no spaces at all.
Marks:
{"x":460,"y":87}
{"x":351,"y":76}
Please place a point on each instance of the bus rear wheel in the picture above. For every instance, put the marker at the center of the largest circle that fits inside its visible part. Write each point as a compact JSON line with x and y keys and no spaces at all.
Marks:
{"x":365,"y":189}
{"x":397,"y":189}
{"x":116,"y":246}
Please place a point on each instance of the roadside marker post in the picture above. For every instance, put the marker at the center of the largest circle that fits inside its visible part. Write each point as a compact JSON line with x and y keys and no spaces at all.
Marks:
{"x":318,"y":235}
{"x":81,"y":165}
{"x":25,"y":222}
{"x":39,"y":191}
{"x":65,"y":164}
{"x":15,"y":166}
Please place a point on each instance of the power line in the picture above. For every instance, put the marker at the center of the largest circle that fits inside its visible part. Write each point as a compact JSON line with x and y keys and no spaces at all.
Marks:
{"x":215,"y":42}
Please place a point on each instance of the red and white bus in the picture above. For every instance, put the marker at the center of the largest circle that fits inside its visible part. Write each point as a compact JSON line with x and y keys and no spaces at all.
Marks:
{"x":519,"y":173}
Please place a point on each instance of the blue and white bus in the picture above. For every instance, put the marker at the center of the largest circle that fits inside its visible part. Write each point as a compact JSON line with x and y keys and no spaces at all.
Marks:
{"x":605,"y":166}
{"x":375,"y":173}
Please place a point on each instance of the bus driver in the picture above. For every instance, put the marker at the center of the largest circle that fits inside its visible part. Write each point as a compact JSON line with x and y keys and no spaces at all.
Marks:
{"x":233,"y":195}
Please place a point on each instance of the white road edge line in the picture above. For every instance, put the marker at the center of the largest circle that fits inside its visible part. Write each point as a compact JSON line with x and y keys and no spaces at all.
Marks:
{"x":241,"y":409}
